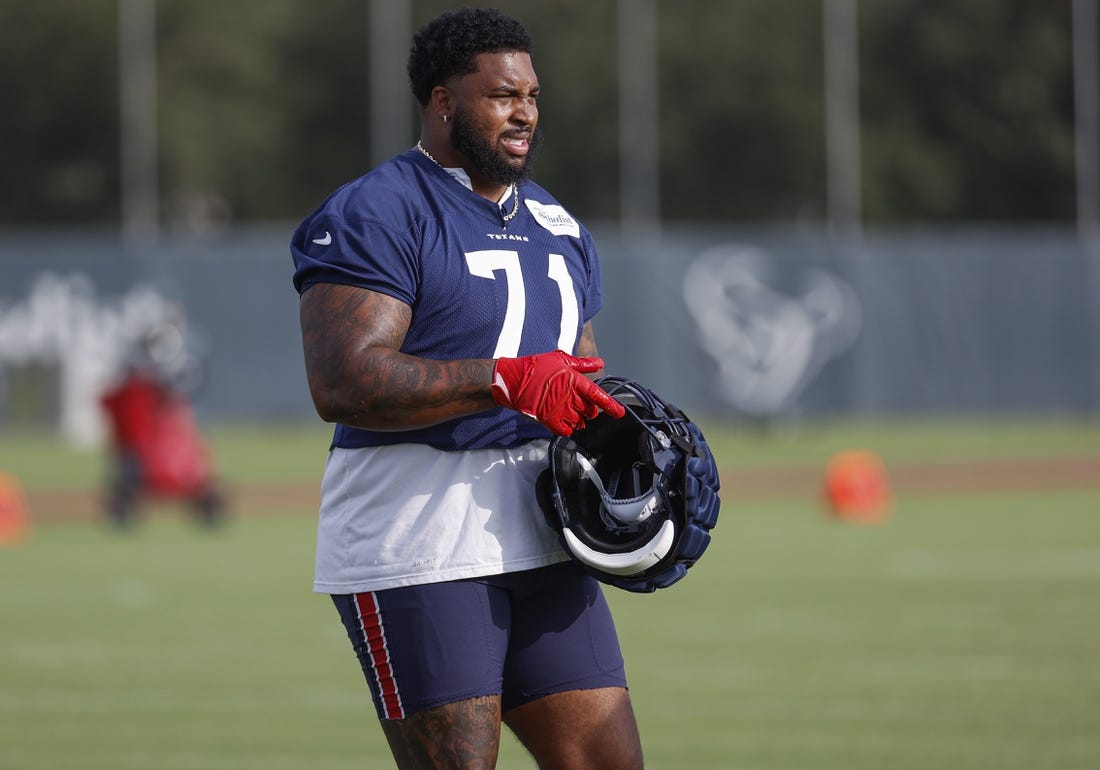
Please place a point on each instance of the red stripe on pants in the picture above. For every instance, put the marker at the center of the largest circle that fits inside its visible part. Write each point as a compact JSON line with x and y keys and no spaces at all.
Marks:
{"x":370,"y":623}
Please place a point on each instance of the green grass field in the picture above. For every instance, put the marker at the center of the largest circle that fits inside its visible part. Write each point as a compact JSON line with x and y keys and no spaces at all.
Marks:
{"x":963,"y":633}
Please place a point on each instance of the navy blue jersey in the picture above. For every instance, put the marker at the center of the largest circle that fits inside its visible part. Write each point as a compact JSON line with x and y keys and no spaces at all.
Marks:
{"x":478,"y":287}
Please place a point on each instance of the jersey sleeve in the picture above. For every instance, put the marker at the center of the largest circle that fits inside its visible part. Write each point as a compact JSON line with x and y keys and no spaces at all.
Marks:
{"x":366,"y":253}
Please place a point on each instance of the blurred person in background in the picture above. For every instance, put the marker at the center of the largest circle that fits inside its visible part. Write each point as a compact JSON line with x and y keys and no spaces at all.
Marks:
{"x":156,"y":449}
{"x":446,"y":305}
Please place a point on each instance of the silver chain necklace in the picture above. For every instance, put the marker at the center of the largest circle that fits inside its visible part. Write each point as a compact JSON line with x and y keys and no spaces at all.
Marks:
{"x":515,"y":190}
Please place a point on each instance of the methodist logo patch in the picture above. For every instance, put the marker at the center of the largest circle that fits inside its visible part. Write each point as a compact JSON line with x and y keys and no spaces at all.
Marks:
{"x":554,"y":218}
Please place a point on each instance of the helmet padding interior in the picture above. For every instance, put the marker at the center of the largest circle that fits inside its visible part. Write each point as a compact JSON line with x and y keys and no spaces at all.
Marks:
{"x":622,"y":454}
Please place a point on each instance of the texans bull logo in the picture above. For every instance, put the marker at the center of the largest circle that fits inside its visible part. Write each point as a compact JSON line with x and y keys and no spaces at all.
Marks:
{"x":768,"y":342}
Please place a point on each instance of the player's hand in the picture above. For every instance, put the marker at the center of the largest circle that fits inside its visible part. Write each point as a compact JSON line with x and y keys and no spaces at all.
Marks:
{"x":551,"y":388}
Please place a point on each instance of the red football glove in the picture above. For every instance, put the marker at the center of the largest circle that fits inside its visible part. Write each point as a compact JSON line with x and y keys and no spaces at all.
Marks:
{"x":551,"y":388}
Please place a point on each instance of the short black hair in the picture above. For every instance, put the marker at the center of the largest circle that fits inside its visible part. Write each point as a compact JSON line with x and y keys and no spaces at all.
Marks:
{"x":446,"y":45}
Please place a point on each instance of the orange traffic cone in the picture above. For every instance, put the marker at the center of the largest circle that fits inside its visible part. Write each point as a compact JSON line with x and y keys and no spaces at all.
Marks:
{"x":15,"y":517}
{"x":857,"y":488}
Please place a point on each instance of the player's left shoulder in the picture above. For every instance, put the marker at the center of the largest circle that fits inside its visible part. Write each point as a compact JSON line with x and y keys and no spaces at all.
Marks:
{"x":549,"y":214}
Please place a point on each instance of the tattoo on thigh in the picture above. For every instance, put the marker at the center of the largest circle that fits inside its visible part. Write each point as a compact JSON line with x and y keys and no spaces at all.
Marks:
{"x":464,"y":734}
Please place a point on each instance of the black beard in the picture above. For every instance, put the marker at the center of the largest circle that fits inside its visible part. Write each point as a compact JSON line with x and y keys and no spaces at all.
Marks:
{"x":487,"y":160}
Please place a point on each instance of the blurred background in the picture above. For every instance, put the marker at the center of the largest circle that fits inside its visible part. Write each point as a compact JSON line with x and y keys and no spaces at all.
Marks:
{"x":859,"y":242}
{"x":803,"y":207}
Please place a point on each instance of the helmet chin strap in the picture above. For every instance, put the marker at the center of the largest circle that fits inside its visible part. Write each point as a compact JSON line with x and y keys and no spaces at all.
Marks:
{"x":628,"y":510}
{"x":630,"y":563}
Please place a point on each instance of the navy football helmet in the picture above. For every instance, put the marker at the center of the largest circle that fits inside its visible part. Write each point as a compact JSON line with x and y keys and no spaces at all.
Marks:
{"x":633,"y":499}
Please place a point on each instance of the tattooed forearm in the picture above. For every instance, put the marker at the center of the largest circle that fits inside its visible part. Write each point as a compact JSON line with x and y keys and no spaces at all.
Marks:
{"x":402,"y":384}
{"x":586,"y":346}
{"x":351,"y":339}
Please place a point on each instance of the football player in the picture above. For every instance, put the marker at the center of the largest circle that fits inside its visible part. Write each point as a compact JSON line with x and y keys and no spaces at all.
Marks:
{"x":446,"y":305}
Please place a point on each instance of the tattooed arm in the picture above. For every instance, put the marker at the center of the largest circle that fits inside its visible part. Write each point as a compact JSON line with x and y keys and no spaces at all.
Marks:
{"x":587,"y":347}
{"x":358,"y":376}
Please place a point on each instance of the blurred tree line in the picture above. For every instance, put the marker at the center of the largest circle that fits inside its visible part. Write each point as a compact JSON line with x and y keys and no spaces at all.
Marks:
{"x":966,"y":108}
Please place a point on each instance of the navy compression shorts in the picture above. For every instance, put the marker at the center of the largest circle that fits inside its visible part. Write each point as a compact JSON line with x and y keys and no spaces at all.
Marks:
{"x":522,"y":635}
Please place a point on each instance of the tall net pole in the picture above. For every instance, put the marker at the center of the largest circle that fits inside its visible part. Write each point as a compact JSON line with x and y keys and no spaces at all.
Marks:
{"x":391,"y":114}
{"x":137,"y":57}
{"x":639,"y":154}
